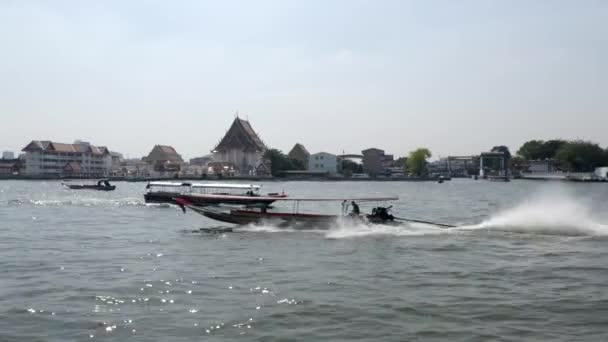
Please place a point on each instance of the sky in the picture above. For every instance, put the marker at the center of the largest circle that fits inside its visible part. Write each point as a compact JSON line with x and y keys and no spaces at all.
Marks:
{"x":455,"y":76}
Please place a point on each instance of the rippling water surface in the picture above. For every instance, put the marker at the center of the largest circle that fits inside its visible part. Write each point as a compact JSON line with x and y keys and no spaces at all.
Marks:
{"x":528,"y":261}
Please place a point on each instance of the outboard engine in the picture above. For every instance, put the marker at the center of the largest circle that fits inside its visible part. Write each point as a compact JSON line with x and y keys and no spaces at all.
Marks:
{"x":381,"y":214}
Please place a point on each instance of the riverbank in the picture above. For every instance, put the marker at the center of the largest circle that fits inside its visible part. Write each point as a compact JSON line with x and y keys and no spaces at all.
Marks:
{"x":227,"y":179}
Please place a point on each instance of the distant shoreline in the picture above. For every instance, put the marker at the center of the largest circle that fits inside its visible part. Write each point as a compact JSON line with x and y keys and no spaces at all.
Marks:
{"x":228,"y":179}
{"x":295,"y":179}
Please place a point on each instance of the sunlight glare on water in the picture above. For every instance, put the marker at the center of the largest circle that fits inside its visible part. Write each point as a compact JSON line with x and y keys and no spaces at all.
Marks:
{"x":524,"y":258}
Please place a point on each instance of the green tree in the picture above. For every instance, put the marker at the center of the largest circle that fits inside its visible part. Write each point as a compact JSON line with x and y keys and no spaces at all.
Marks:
{"x":580,"y":156}
{"x":532,"y":150}
{"x":279,"y":162}
{"x":417,"y":161}
{"x":550,"y":148}
{"x":539,"y":149}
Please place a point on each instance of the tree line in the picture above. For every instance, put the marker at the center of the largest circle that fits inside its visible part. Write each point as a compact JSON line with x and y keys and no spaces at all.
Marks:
{"x":568,"y":155}
{"x":414,"y":164}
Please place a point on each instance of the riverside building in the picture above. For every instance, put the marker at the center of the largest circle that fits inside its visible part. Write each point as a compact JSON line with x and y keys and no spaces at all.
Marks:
{"x":241,"y":149}
{"x":45,"y":158}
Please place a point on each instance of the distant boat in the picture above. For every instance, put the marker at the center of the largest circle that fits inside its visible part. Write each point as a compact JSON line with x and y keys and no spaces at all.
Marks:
{"x":102,"y":185}
{"x":498,"y":178}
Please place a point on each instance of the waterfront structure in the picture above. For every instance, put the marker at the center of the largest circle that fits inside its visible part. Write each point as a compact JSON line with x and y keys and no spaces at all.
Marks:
{"x":223,"y":169}
{"x":135,"y":168}
{"x":202,"y":161}
{"x":541,"y":166}
{"x":300,"y":153}
{"x":164,"y":159}
{"x":241,"y":149}
{"x":493,"y":164}
{"x":193,"y":170}
{"x":323,"y":162}
{"x":10,"y":166}
{"x":455,"y":166}
{"x":375,"y":161}
{"x":8,"y":155}
{"x":117,"y":159}
{"x":81,"y":159}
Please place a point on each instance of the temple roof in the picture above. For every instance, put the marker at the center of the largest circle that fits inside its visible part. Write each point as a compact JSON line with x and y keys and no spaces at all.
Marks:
{"x":163,"y":153}
{"x":299,"y":152}
{"x":241,"y":136}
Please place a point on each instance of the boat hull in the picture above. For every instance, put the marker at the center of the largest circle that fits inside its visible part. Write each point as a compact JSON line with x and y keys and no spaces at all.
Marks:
{"x":292,"y":220}
{"x":92,"y":187}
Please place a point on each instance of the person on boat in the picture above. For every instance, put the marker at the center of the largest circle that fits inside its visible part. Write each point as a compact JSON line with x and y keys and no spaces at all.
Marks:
{"x":356,"y":210}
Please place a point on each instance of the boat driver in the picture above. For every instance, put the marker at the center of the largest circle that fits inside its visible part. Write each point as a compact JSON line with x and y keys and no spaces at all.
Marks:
{"x":356,"y":210}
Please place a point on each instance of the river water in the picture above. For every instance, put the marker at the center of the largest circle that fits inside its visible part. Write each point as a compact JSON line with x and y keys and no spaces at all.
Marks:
{"x":528,"y":261}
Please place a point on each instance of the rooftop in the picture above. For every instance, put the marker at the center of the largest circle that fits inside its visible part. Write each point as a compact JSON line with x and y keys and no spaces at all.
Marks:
{"x":241,"y":135}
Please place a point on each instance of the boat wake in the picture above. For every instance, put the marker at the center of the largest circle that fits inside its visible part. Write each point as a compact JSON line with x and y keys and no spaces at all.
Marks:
{"x":343,"y":229}
{"x":347,"y":229}
{"x":84,"y":202}
{"x":548,"y":214}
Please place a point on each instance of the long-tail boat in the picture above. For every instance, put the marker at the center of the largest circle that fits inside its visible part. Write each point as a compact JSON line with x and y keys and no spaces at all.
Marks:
{"x":101,"y":184}
{"x":260,"y":212}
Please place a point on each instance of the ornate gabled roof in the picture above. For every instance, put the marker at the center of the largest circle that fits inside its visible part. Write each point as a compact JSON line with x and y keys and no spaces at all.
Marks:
{"x":298,"y":151}
{"x":164,"y":153}
{"x":241,"y":136}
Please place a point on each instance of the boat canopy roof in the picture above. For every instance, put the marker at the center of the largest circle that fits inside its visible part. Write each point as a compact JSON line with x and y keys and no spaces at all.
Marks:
{"x":347,"y":199}
{"x":296,"y":199}
{"x":86,"y":179}
{"x":206,"y":185}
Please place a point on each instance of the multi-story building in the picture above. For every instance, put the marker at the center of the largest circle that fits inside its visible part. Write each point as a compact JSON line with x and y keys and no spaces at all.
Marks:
{"x":323,"y":162}
{"x":81,"y":159}
{"x":8,"y":155}
{"x":241,"y":148}
{"x":375,"y":162}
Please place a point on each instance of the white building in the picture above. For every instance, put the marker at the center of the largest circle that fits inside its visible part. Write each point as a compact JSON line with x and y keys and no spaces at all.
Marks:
{"x":540,"y":166}
{"x":8,"y":155}
{"x":81,"y":159}
{"x":323,"y":162}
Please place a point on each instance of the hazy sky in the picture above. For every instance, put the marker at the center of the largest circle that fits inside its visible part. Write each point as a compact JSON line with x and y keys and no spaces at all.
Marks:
{"x":455,"y":76}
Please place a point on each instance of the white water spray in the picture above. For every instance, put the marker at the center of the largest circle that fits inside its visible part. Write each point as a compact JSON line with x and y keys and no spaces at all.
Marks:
{"x":552,"y":211}
{"x":349,"y":229}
